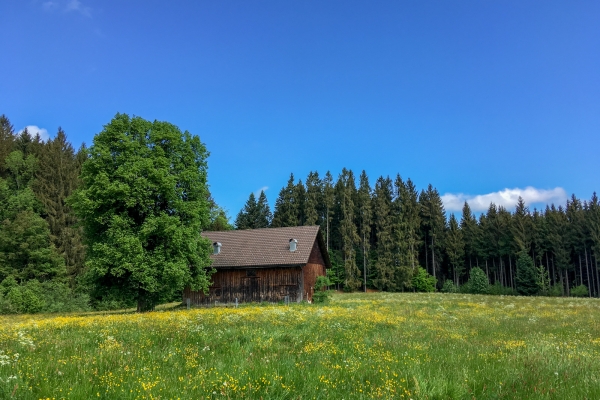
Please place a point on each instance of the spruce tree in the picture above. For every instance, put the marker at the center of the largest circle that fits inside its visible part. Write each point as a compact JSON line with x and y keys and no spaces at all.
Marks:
{"x":383,"y":221}
{"x":455,"y":248}
{"x":263,"y":212}
{"x":7,"y":138}
{"x":364,"y":220}
{"x":527,"y":282}
{"x":247,"y":216}
{"x":433,"y":219}
{"x":469,"y":228}
{"x":286,"y":208}
{"x":300,"y":200}
{"x":403,"y":259}
{"x":313,"y":200}
{"x":348,"y":232}
{"x":57,"y":177}
{"x":328,"y":205}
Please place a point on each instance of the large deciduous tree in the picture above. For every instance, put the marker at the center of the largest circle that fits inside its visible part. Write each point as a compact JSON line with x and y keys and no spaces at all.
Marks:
{"x":143,"y":202}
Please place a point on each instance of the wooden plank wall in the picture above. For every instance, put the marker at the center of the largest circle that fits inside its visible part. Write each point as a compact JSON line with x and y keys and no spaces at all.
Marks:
{"x":260,"y":284}
{"x":314,"y":268}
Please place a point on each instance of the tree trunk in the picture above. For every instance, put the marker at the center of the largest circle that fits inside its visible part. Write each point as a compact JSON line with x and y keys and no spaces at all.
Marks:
{"x":364,"y":263}
{"x":512,"y":279}
{"x":433,"y":255}
{"x":580,"y":271}
{"x":567,"y":278}
{"x":587,"y":270}
{"x":597,"y":274}
{"x":562,"y":284}
{"x":487,"y":271}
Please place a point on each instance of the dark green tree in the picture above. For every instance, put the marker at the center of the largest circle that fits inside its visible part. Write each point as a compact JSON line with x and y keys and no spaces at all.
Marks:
{"x":364,"y":220}
{"x":286,"y":207}
{"x":26,"y":251}
{"x":383,"y":221}
{"x":56,"y":179}
{"x":455,"y":248}
{"x":143,"y":202}
{"x":527,"y":279}
{"x":7,"y":139}
{"x":433,"y":221}
{"x":263,"y":211}
{"x":246,"y":218}
{"x":313,"y":200}
{"x":346,"y":192}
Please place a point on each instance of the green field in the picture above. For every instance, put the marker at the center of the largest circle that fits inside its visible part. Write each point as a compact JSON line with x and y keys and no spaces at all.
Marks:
{"x":419,"y":346}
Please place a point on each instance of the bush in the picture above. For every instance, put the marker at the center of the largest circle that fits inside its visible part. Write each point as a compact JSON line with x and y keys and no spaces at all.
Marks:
{"x":478,"y":282}
{"x":33,"y":297}
{"x":423,"y":282}
{"x":499,"y":290}
{"x":449,"y":287}
{"x":556,"y":290}
{"x":322,"y":294}
{"x":580,"y":291}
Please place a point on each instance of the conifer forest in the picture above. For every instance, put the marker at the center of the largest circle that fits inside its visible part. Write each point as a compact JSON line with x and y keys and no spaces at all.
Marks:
{"x":392,"y":236}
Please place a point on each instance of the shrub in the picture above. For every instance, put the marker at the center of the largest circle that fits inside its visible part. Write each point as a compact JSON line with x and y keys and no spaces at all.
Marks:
{"x":556,"y":290}
{"x":33,"y":297}
{"x":322,"y":294}
{"x":478,"y":282}
{"x":580,"y":291}
{"x":499,"y":290}
{"x":423,"y":282}
{"x":449,"y":287}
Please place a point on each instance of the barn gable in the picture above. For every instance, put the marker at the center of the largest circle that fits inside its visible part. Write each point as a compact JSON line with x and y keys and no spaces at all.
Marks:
{"x":257,"y":265}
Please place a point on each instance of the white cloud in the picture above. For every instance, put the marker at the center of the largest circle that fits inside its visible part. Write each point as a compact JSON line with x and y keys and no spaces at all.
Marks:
{"x":507,"y":198}
{"x":75,"y":5}
{"x":262,"y":189}
{"x":33,"y":130}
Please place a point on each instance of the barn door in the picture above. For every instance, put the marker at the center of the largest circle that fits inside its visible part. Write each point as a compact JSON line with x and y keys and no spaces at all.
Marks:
{"x":251,"y":288}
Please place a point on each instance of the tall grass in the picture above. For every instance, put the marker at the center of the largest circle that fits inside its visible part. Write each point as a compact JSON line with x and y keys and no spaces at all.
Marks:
{"x":419,"y":346}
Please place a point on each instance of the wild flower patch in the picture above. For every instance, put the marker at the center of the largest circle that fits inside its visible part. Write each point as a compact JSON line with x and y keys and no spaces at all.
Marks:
{"x":372,"y":345}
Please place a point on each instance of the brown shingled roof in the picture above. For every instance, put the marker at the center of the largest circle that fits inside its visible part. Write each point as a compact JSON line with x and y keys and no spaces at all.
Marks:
{"x":265,"y":247}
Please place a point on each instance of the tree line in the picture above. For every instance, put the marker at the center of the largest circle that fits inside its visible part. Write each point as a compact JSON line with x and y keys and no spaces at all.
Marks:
{"x":49,"y":235}
{"x":379,"y":236}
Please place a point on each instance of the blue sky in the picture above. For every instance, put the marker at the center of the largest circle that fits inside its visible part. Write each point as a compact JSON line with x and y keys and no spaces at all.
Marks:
{"x":478,"y":98}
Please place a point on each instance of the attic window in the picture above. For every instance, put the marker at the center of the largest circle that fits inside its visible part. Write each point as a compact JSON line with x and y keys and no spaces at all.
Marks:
{"x":216,"y":248}
{"x":293,"y":244}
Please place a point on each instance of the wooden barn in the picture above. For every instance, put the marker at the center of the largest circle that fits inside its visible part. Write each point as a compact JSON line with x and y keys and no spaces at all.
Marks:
{"x":264,"y":265}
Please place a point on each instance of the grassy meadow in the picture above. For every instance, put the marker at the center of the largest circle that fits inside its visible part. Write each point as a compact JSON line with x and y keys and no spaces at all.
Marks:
{"x":376,"y":345}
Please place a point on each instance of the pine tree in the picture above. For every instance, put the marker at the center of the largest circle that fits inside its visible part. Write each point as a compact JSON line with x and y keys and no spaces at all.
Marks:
{"x":527,"y":282}
{"x":522,"y":227}
{"x":313,"y":200}
{"x":364,"y":220}
{"x":469,"y":228}
{"x":57,"y":177}
{"x":348,"y":232}
{"x":300,"y":200}
{"x":7,"y":139}
{"x":247,"y":216}
{"x":382,"y":216}
{"x":403,"y":261}
{"x":26,"y":251}
{"x":328,"y":205}
{"x":263,"y":212}
{"x":455,"y":248}
{"x":433,"y":219}
{"x":286,"y":209}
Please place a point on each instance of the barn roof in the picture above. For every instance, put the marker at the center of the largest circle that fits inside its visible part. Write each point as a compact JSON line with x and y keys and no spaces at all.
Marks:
{"x":266,"y":247}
